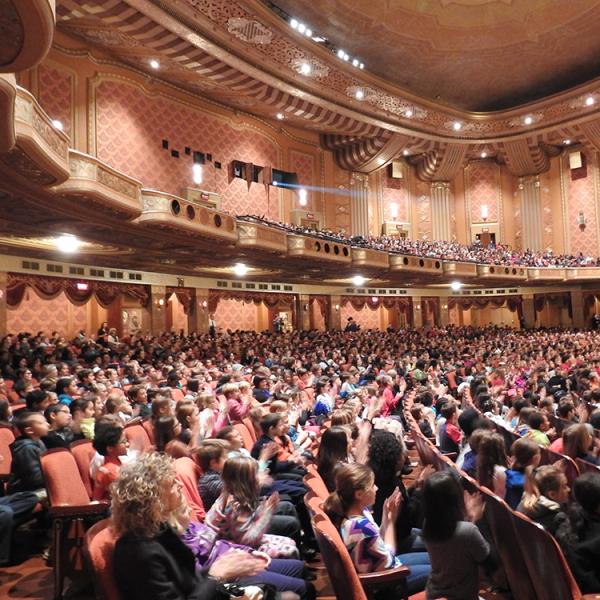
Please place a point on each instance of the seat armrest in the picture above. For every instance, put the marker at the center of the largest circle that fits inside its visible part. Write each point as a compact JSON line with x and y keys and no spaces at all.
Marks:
{"x":67,"y":511}
{"x":386,"y":577}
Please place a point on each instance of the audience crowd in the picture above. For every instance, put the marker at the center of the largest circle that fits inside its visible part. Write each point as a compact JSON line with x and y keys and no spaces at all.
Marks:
{"x":494,"y":399}
{"x":493,"y":254}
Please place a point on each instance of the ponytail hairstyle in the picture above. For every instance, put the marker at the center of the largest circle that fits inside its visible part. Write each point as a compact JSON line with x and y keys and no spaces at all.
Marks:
{"x":576,"y":440}
{"x":491,"y":452}
{"x":524,"y":451}
{"x":349,"y":479}
{"x":539,"y":482}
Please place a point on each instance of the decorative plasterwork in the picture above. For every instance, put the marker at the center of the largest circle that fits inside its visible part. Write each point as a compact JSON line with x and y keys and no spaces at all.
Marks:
{"x":249,"y":30}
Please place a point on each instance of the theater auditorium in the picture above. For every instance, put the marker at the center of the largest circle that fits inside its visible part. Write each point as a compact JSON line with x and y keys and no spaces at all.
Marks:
{"x":300,"y":300}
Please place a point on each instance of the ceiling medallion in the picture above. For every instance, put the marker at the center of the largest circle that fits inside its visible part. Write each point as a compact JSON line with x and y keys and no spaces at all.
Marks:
{"x":109,"y":37}
{"x":249,"y":31}
{"x":316,"y":68}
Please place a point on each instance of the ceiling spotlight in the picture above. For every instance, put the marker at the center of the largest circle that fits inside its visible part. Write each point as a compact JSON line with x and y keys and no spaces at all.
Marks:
{"x":308,"y":32}
{"x":57,"y":124}
{"x":374,"y":299}
{"x":589,"y":101}
{"x":301,"y":27}
{"x":340,"y":53}
{"x":566,"y":142}
{"x":528,"y":120}
{"x":305,"y":68}
{"x":355,"y":62}
{"x":405,"y":152}
{"x":275,"y":183}
{"x":67,"y":243}
{"x":294,"y":24}
{"x":456,"y":285}
{"x":358,"y":280}
{"x":346,"y":57}
{"x":154,"y":64}
{"x":408,"y":113}
{"x":280,"y":116}
{"x":361,"y":66}
{"x":359,"y":94}
{"x":240,"y":269}
{"x":457,"y":125}
{"x":318,"y":39}
{"x":483,"y":155}
{"x":302,"y":197}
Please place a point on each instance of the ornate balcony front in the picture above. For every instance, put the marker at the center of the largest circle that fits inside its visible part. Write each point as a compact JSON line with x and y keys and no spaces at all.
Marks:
{"x":175,"y":215}
{"x":546,"y":274}
{"x":261,"y":237}
{"x":300,"y":246}
{"x":415,"y":264}
{"x":370,"y":259}
{"x":502,"y":273}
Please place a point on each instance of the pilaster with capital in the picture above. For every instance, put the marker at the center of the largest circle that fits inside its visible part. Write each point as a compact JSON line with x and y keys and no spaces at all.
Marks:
{"x":335,"y":312}
{"x":531,"y":212}
{"x":359,"y":202}
{"x":440,"y":210}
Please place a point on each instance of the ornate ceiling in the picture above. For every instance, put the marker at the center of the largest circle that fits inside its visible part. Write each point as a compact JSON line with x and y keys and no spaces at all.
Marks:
{"x":477,"y":55}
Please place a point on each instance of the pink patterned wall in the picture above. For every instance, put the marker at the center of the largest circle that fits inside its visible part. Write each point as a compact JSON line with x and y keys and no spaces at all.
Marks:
{"x":179,"y":318}
{"x":130,"y":127}
{"x":366,"y":318}
{"x":304,"y":166}
{"x":235,"y":314}
{"x":55,"y":94}
{"x":317,"y":319}
{"x":547,"y":220}
{"x":483,"y":185}
{"x":35,"y":314}
{"x":395,"y":192}
{"x":581,"y":198}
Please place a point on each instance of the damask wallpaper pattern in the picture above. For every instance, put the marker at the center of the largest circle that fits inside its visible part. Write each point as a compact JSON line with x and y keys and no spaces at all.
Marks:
{"x":483,"y":185}
{"x":235,"y":314}
{"x":366,"y":318}
{"x":55,"y":94}
{"x":130,"y":128}
{"x":395,"y":193}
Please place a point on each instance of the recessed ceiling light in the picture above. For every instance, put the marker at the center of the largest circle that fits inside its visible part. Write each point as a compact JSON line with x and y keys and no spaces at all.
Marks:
{"x":294,"y":24}
{"x":346,"y":57}
{"x":456,"y":285}
{"x":308,"y":32}
{"x":361,"y":66}
{"x":566,"y":142}
{"x":359,"y":94}
{"x":301,"y":27}
{"x":154,"y":64}
{"x":405,"y":152}
{"x":355,"y":62}
{"x":457,"y":126}
{"x":340,"y":53}
{"x":358,"y":280}
{"x":483,"y":154}
{"x":318,"y":39}
{"x":57,"y":124}
{"x":528,"y":120}
{"x":67,"y":243}
{"x":280,"y":116}
{"x":589,"y":101}
{"x":305,"y":68}
{"x":408,"y":113}
{"x":240,"y":269}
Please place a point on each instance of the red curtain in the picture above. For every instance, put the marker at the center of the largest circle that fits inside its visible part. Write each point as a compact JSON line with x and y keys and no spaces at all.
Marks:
{"x":562,"y":299}
{"x":359,"y":302}
{"x":323,"y":302}
{"x":184,"y":295}
{"x":49,"y":288}
{"x":270,"y":300}
{"x":513,"y":303}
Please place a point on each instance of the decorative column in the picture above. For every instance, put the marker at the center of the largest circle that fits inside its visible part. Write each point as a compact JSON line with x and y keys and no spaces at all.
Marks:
{"x":158,"y":309}
{"x":3,"y":305}
{"x":440,"y":210}
{"x":531,"y":212}
{"x":417,"y":312}
{"x":578,"y":309}
{"x":359,"y":203}
{"x":335,"y":312}
{"x":444,"y":313}
{"x":198,"y":315}
{"x":302,"y":312}
{"x":528,"y":311}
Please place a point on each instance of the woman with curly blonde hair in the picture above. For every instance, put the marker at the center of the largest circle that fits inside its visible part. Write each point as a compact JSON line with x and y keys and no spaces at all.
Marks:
{"x":149,"y":511}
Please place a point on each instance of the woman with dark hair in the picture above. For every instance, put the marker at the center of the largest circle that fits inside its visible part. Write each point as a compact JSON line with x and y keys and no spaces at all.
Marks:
{"x":166,"y":429}
{"x":386,"y":458}
{"x":579,"y":535}
{"x":455,"y":545}
{"x":333,"y":450}
{"x":492,"y":463}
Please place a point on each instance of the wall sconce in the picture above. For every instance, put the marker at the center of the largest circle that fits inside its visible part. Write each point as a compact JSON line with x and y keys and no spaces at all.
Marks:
{"x":484,"y":212}
{"x":394,"y":210}
{"x":444,"y":306}
{"x":305,"y":306}
{"x":337,"y":307}
{"x":581,"y":221}
{"x":204,"y":304}
{"x":160,"y":302}
{"x":417,"y":306}
{"x":374,"y":299}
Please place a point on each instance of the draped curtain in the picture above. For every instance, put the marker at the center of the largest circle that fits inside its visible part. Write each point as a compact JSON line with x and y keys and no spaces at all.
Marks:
{"x":323,"y":303}
{"x":49,"y":288}
{"x":560,"y":299}
{"x":359,"y":302}
{"x":270,"y":300}
{"x":184,"y":295}
{"x":513,"y":303}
